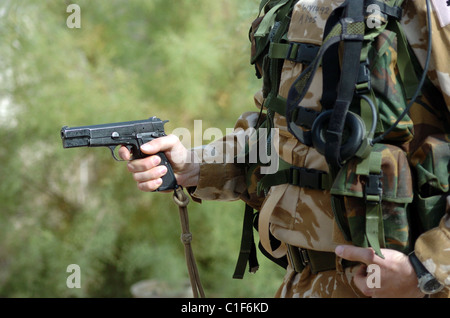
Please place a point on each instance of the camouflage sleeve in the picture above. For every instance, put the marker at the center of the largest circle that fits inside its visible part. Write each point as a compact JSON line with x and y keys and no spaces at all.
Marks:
{"x":433,"y":246}
{"x":219,"y":181}
{"x":433,"y":249}
{"x":221,"y":176}
{"x":414,"y":25}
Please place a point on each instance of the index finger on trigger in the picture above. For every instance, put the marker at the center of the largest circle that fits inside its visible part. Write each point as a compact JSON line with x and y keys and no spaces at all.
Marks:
{"x":124,"y":153}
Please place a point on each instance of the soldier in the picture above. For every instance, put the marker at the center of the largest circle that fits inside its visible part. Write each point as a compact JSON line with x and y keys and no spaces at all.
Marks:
{"x":327,"y":232}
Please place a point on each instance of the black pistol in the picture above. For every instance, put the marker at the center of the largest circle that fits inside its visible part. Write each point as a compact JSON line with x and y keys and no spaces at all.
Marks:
{"x":132,"y":134}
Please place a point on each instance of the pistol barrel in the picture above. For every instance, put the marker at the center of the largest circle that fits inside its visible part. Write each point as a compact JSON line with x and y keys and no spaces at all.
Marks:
{"x":75,"y":137}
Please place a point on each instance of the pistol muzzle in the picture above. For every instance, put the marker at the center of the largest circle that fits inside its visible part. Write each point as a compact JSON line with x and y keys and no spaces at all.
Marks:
{"x":72,"y":138}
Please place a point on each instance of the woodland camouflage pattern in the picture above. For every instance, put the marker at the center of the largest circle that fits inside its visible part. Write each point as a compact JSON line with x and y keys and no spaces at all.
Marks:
{"x":304,"y":217}
{"x":397,"y":193}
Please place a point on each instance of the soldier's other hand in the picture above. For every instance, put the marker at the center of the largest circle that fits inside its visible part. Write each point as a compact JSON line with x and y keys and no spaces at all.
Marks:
{"x":397,"y":276}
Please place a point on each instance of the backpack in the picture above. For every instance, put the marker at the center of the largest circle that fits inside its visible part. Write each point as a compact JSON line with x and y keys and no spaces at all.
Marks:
{"x":387,"y":181}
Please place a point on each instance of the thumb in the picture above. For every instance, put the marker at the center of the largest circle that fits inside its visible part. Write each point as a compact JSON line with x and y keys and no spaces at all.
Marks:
{"x":161,"y":144}
{"x":356,"y":254}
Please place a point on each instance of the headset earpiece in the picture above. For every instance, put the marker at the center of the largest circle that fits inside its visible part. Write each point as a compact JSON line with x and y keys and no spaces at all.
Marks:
{"x":355,"y":134}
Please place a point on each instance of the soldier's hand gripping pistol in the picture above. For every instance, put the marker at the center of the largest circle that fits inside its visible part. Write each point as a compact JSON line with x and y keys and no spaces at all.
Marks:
{"x":131,"y":134}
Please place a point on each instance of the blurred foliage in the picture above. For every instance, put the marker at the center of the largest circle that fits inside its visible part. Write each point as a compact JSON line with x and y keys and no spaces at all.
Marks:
{"x":180,"y":60}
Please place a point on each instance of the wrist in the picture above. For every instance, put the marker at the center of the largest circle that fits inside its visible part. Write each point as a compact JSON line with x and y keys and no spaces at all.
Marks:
{"x":191,"y":174}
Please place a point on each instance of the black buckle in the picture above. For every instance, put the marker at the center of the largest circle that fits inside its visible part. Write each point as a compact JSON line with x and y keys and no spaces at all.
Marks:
{"x":305,"y":54}
{"x":306,"y":178}
{"x":298,"y":257}
{"x":304,"y":257}
{"x":373,"y":189}
{"x":306,"y":117}
{"x":363,"y":83}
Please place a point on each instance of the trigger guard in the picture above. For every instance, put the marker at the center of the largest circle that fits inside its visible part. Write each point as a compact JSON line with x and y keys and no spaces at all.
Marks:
{"x":113,"y":152}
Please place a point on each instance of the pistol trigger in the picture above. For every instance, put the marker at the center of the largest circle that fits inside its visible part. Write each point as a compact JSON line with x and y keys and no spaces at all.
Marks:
{"x":130,"y":148}
{"x":113,"y":152}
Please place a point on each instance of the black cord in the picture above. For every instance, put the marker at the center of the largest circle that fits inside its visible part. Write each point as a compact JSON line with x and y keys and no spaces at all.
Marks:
{"x":421,"y":83}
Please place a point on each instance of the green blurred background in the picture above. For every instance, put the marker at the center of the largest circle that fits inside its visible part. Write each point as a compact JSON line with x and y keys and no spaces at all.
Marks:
{"x":181,"y":60}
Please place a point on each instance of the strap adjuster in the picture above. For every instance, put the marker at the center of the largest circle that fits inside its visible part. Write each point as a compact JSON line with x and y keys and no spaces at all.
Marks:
{"x":298,"y":257}
{"x":306,"y":117}
{"x":318,"y":261}
{"x":304,"y":257}
{"x":363,"y":83}
{"x":373,"y":189}
{"x":302,"y":52}
{"x":306,"y":178}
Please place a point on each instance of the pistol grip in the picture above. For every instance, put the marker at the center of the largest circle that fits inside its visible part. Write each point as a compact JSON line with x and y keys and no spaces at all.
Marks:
{"x":169,"y":180}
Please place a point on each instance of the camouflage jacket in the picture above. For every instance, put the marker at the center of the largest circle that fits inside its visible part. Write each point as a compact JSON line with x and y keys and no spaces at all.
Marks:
{"x":303,"y":217}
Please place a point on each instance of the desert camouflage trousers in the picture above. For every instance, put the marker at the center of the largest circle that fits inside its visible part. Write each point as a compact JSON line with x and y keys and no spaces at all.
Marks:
{"x":328,"y":284}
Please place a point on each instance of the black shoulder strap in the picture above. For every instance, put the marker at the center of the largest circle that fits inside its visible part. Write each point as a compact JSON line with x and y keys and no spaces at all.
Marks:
{"x":247,"y":252}
{"x":353,"y":38}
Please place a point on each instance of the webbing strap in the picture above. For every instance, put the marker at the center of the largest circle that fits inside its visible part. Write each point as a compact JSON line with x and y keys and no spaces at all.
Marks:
{"x":276,"y":103}
{"x":373,"y":191}
{"x":305,"y":117}
{"x":272,"y":67}
{"x":332,"y":69}
{"x":297,"y":176}
{"x":318,"y":261}
{"x":247,"y":252}
{"x":368,"y":230}
{"x":296,"y":52}
{"x":353,"y":36}
{"x":264,"y":222}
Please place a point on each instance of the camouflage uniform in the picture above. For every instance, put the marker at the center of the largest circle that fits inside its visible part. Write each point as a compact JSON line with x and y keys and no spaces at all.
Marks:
{"x":303,"y":217}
